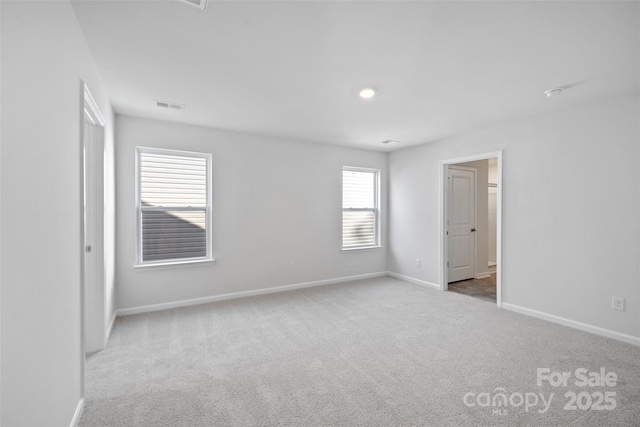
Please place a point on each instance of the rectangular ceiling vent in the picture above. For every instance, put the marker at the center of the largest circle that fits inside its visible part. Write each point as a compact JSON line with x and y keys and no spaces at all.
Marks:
{"x":169,"y":105}
{"x":200,"y":4}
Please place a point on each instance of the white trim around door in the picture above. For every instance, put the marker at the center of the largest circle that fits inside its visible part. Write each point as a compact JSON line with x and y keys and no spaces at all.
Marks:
{"x":444,"y":172}
{"x":90,"y":117}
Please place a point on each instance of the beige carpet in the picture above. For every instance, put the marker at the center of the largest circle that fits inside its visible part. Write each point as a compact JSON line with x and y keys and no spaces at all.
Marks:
{"x":378,"y":352}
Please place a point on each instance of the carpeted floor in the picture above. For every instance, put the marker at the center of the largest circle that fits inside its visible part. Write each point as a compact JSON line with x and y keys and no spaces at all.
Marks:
{"x":379,"y":352}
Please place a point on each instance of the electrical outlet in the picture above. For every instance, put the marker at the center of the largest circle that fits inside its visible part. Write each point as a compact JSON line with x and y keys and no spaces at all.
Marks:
{"x":617,"y":303}
{"x":293,"y":265}
{"x":418,"y":263}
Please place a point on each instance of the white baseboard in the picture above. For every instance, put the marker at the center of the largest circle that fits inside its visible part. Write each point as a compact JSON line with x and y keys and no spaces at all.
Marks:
{"x":483,"y":275}
{"x":573,"y":324}
{"x":242,"y":294}
{"x":512,"y":307}
{"x":414,"y":280}
{"x":78,"y":413}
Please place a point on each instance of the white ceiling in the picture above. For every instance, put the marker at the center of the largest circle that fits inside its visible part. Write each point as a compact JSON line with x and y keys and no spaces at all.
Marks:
{"x":294,"y":69}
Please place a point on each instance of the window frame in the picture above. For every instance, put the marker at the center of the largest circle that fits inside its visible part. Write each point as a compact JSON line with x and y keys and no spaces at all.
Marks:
{"x":376,"y":210}
{"x":138,"y":207}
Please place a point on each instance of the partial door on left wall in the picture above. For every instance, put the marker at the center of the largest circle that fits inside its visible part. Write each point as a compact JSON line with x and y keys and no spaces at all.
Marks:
{"x":94,"y":283}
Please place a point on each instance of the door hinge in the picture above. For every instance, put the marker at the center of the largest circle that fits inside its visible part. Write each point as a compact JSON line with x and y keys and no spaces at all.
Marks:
{"x":87,"y":248}
{"x":447,"y":264}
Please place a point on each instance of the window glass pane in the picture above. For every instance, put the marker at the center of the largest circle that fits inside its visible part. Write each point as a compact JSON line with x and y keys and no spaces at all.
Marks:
{"x":171,"y":180}
{"x":173,"y":235}
{"x":358,"y":228}
{"x":358,"y":189}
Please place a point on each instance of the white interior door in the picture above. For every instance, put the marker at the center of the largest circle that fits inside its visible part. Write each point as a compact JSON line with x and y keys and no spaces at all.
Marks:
{"x":94,"y":297}
{"x":461,"y":219}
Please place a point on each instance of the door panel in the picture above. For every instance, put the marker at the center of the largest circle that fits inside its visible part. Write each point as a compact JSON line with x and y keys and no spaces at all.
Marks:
{"x":94,"y":237}
{"x":461,"y":224}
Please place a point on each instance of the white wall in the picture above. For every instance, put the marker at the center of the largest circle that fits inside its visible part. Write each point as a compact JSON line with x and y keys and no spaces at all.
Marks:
{"x":571,"y":209}
{"x":274,"y":201}
{"x":44,"y":59}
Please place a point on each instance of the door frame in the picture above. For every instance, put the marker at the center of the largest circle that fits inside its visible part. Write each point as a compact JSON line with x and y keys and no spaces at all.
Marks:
{"x":475,"y":216}
{"x":88,"y":109}
{"x":444,"y":246}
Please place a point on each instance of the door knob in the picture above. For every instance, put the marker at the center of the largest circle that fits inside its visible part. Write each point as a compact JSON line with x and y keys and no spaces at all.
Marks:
{"x":473,"y":230}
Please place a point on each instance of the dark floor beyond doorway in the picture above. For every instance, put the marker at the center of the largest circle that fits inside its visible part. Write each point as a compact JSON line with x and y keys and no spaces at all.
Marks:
{"x":478,"y":288}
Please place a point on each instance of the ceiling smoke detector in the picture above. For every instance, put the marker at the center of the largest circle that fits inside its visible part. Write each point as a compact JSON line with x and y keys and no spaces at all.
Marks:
{"x":554,"y":92}
{"x":200,"y":4}
{"x":169,"y":105}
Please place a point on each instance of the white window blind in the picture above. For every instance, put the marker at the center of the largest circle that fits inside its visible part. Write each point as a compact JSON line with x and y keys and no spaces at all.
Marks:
{"x":359,"y":208}
{"x":173,"y":198}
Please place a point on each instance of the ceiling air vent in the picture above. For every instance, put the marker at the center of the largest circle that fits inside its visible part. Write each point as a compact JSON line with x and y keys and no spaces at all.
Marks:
{"x":169,"y":105}
{"x":200,"y":4}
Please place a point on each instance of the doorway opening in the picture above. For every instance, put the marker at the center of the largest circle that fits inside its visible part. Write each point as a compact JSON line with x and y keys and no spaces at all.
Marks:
{"x":471,"y":226}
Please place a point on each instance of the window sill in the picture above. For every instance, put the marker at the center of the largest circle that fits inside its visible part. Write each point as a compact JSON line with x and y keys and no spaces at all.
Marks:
{"x":362,"y":248}
{"x":174,"y":263}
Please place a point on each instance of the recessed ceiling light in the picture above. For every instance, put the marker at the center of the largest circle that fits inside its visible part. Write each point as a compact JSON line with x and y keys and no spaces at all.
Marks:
{"x":367,"y":92}
{"x":554,"y":92}
{"x":390,"y":141}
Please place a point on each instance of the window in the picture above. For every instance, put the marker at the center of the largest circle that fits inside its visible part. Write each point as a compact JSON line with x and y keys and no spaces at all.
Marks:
{"x":359,"y":208}
{"x":173,"y":198}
